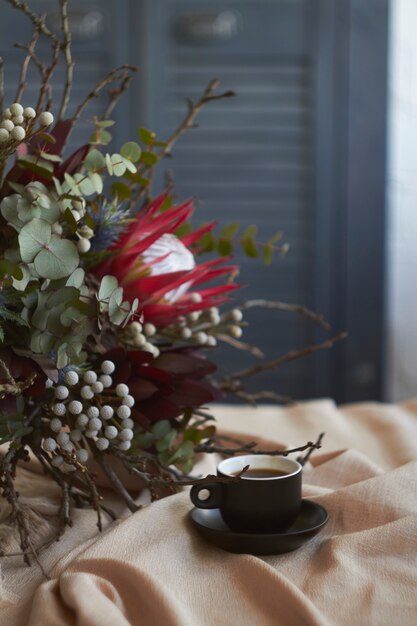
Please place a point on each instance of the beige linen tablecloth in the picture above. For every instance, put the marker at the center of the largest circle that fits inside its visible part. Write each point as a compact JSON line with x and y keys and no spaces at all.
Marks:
{"x":153,"y":569}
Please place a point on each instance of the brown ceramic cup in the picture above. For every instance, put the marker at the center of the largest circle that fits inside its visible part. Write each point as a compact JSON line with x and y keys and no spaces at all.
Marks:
{"x":267,"y":500}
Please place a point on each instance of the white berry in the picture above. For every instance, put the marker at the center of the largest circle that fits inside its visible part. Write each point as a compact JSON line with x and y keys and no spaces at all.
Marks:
{"x":75,"y":407}
{"x":63,"y":438}
{"x":86,"y":392}
{"x":102,"y":443}
{"x":45,"y":119}
{"x":128,"y":401}
{"x":29,"y":113}
{"x":55,"y":425}
{"x":95,"y":424}
{"x":4,"y":135}
{"x":127,"y":423}
{"x":7,"y":125}
{"x":71,"y":378}
{"x":111,"y":432}
{"x":7,"y":114}
{"x":211,"y":341}
{"x":61,"y":392}
{"x":82,"y":420}
{"x":122,"y":390}
{"x":67,"y":447}
{"x":82,"y":455}
{"x":123,"y":412}
{"x":149,"y":330}
{"x":49,"y":383}
{"x":18,"y":119}
{"x":57,"y":460}
{"x":126,"y":434}
{"x":91,"y":433}
{"x":18,"y":133}
{"x":201,"y":338}
{"x":236,"y":331}
{"x":124,"y":445}
{"x":186,"y":333}
{"x":93,"y":412}
{"x":76,"y":435}
{"x":90,"y":377}
{"x":83,"y":245}
{"x":97,"y":387}
{"x":108,"y":367}
{"x":106,"y":380}
{"x":16,"y":109}
{"x":196,"y":297}
{"x":106,"y":412}
{"x":49,"y":445}
{"x":59,"y":409}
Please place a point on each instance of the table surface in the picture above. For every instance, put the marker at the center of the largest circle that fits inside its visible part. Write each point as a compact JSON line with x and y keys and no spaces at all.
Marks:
{"x":153,"y":568}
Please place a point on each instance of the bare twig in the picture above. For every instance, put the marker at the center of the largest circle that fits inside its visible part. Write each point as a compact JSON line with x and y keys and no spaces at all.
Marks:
{"x":37,"y":20}
{"x":253,"y":398}
{"x":241,"y":345}
{"x":119,"y":73}
{"x":116,"y":93}
{"x":66,"y":48}
{"x":194,"y":109}
{"x":117,"y":484}
{"x":233,"y":382}
{"x":305,"y":457}
{"x":250,"y":448}
{"x":285,"y":306}
{"x":46,"y":78}
{"x":25,"y":64}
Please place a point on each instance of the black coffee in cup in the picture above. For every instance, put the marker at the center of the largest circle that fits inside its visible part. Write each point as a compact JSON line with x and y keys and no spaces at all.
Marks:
{"x":266,"y":498}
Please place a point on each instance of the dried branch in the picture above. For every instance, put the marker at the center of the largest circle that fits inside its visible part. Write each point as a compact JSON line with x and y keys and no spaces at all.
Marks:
{"x":285,"y":306}
{"x":115,"y":94}
{"x":193,"y":110}
{"x":233,"y":382}
{"x":46,"y":78}
{"x":117,"y":484}
{"x":116,"y":74}
{"x":66,"y":48}
{"x":253,"y":398}
{"x":305,"y":457}
{"x":241,"y":345}
{"x":250,"y":448}
{"x":25,"y":64}
{"x":37,"y":20}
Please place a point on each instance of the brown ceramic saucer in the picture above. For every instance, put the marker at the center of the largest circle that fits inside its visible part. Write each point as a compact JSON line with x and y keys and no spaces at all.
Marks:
{"x":210,"y":525}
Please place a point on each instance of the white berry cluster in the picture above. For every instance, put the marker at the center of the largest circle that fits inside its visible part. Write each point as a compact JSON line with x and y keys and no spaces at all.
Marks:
{"x":88,"y":408}
{"x":16,"y":120}
{"x":139,"y":335}
{"x":202,"y":327}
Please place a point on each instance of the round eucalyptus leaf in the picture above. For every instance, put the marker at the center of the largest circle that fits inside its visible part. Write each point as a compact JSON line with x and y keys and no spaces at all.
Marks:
{"x":33,"y":237}
{"x":107,"y":286}
{"x":131,"y":151}
{"x":58,"y":260}
{"x":76,"y":279}
{"x":119,"y":167}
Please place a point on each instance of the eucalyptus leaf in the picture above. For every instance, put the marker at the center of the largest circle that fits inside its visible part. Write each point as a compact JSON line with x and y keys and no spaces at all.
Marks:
{"x":107,"y":286}
{"x":131,"y":151}
{"x":33,"y":237}
{"x":76,"y":279}
{"x":58,"y":260}
{"x":94,"y":160}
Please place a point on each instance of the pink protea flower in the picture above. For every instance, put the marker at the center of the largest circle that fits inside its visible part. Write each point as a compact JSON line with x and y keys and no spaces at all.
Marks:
{"x":151,"y":263}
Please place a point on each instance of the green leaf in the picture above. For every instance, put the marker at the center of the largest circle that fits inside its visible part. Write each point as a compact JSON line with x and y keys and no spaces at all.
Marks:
{"x":55,"y":158}
{"x":33,"y":237}
{"x":100,"y":137}
{"x":37,"y":165}
{"x":86,"y":186}
{"x":118,"y":166}
{"x":229,"y":231}
{"x":10,"y":269}
{"x":107,"y":286}
{"x":76,"y":279}
{"x":275,"y":238}
{"x":146,"y":136}
{"x":105,"y":123}
{"x":47,"y":137}
{"x":250,"y":248}
{"x":161,"y":428}
{"x":225,"y":247}
{"x":207,"y":243}
{"x":250,"y":232}
{"x":96,"y":181}
{"x":122,"y":191}
{"x":58,"y":260}
{"x":65,"y":295}
{"x":115,"y":301}
{"x":149,"y":158}
{"x":131,"y":151}
{"x":94,"y":160}
{"x":165,"y":442}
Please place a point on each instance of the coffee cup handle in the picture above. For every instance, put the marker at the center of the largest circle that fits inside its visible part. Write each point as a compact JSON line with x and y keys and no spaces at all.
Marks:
{"x":214,"y":499}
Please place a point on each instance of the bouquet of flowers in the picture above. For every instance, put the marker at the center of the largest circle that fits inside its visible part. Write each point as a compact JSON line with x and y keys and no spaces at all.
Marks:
{"x":106,"y":318}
